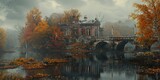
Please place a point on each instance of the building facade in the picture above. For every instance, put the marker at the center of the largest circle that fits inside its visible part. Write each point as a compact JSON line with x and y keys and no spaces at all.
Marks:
{"x":83,"y":30}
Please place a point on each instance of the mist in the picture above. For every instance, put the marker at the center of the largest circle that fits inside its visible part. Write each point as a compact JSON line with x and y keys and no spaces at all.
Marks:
{"x":120,"y":28}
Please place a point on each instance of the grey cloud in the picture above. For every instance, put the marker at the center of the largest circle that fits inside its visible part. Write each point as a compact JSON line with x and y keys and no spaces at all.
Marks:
{"x":17,"y":3}
{"x":106,"y":2}
{"x":1,"y":22}
{"x":12,"y":15}
{"x":16,"y":10}
{"x":71,"y":3}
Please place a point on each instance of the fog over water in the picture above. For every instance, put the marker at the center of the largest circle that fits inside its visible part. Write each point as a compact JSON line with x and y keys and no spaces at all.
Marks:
{"x":19,"y":71}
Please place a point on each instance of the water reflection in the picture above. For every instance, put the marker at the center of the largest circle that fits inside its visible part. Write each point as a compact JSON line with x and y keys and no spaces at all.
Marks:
{"x":19,"y":70}
{"x":118,"y":71}
{"x":10,"y":55}
{"x":87,"y":70}
{"x":82,"y":71}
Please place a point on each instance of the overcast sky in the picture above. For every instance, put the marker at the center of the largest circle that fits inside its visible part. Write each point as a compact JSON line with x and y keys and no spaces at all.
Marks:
{"x":13,"y":12}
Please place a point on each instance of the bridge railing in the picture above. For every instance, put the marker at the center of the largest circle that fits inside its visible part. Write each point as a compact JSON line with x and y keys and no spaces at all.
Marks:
{"x":121,"y":38}
{"x":118,"y":38}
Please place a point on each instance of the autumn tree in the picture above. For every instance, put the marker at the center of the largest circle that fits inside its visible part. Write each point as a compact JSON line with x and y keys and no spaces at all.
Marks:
{"x":54,"y":19}
{"x":40,"y":36}
{"x":2,"y":38}
{"x":46,"y":33}
{"x":57,"y":38}
{"x":71,"y":16}
{"x":47,"y":37}
{"x":148,"y":21}
{"x":33,"y":19}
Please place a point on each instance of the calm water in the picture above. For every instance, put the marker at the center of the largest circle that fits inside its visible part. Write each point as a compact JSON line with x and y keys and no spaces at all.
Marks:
{"x":86,"y":70}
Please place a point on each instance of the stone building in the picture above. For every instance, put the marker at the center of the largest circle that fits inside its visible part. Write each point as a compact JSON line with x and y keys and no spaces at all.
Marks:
{"x":83,"y":30}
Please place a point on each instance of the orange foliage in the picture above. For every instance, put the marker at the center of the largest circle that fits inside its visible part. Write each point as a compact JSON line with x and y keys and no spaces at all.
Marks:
{"x":28,"y":63}
{"x":57,"y":38}
{"x":41,"y":27}
{"x":52,"y":61}
{"x":148,"y":20}
{"x":33,"y":18}
{"x":42,"y":33}
{"x":58,"y":34}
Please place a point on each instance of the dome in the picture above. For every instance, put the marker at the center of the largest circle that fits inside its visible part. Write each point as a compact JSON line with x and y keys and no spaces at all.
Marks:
{"x":129,"y":47}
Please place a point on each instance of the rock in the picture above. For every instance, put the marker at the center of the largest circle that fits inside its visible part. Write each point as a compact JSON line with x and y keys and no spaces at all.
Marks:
{"x":129,"y":47}
{"x":155,"y":47}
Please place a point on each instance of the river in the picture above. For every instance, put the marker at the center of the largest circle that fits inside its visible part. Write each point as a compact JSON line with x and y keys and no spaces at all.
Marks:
{"x":84,"y":70}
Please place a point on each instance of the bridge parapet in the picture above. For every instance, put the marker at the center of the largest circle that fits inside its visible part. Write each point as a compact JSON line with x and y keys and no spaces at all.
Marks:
{"x":128,"y":38}
{"x":122,"y":38}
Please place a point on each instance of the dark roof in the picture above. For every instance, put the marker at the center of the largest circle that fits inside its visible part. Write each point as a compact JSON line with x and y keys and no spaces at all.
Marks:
{"x":96,"y":23}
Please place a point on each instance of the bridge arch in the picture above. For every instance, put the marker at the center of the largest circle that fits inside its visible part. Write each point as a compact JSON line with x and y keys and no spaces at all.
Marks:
{"x":102,"y":45}
{"x":120,"y":46}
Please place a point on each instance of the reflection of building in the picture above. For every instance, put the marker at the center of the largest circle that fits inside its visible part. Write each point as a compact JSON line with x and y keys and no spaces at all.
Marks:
{"x":81,"y":70}
{"x":82,"y":29}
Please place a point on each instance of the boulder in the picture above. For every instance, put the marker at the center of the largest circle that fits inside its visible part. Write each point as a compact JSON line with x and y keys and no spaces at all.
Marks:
{"x":155,"y":47}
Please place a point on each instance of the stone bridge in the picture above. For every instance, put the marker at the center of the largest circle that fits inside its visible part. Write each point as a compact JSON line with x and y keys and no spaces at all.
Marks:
{"x":118,"y":43}
{"x":128,"y":38}
{"x":114,"y":43}
{"x":114,"y":47}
